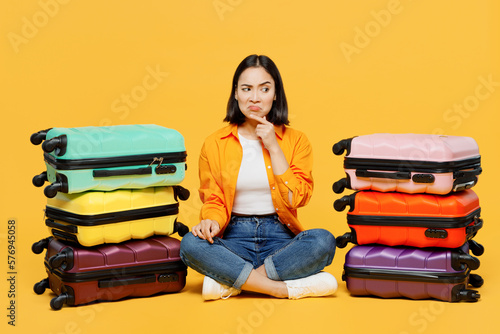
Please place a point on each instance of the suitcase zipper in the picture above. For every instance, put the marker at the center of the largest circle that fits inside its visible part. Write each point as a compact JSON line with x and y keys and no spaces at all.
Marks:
{"x":120,"y":161}
{"x":112,"y":217}
{"x":412,"y":165}
{"x":399,"y":275}
{"x":117,"y":273}
{"x":434,"y":222}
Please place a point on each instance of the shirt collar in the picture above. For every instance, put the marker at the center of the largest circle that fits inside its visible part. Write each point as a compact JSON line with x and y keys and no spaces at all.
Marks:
{"x":232,"y":129}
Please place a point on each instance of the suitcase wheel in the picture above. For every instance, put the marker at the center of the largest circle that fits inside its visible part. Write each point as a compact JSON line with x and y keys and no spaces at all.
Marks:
{"x":57,"y":144}
{"x":38,"y":137}
{"x":339,"y":186}
{"x":39,"y":180}
{"x":50,"y":191}
{"x":471,"y":261}
{"x":181,"y":229}
{"x":476,"y":248}
{"x":63,"y":259}
{"x":40,"y":287}
{"x":341,"y":146}
{"x":57,"y":302}
{"x":340,"y":204}
{"x":39,"y":246}
{"x":475,"y":280}
{"x":468,"y":295}
{"x":343,"y":240}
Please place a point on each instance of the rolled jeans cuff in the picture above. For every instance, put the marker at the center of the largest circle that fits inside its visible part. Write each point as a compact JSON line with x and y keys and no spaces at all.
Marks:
{"x":243,"y":276}
{"x":271,"y":269}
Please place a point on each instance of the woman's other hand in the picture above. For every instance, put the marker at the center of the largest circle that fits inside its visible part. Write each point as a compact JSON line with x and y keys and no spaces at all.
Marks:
{"x":206,"y":230}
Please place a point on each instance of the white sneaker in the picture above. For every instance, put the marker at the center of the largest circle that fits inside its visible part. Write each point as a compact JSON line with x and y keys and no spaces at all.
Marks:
{"x":317,"y":285}
{"x":214,"y":290}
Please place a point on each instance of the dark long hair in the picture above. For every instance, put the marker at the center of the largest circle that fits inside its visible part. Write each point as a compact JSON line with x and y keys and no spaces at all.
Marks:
{"x":279,"y":111}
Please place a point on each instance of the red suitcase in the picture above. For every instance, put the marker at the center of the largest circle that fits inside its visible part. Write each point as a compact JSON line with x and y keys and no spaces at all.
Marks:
{"x":418,"y":220}
{"x":138,"y":268}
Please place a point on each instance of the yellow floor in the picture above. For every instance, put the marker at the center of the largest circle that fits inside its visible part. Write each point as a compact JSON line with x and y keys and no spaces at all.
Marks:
{"x":186,"y":312}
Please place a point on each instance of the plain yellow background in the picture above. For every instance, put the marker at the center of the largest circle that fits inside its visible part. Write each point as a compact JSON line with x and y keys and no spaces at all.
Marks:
{"x":349,"y":68}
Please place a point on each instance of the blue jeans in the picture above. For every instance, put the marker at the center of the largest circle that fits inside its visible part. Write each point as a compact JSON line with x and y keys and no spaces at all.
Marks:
{"x":249,"y":242}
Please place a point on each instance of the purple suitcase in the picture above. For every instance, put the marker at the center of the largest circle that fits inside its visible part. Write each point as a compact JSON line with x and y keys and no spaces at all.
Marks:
{"x":138,"y":268}
{"x":415,"y":273}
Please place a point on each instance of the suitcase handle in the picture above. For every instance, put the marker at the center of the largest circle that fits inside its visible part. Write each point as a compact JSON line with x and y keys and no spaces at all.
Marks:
{"x":467,"y":173}
{"x":127,"y":281}
{"x":473,"y":229}
{"x":384,"y":175}
{"x":160,"y":169}
{"x":344,"y":144}
{"x":62,"y":227}
{"x":122,"y":172}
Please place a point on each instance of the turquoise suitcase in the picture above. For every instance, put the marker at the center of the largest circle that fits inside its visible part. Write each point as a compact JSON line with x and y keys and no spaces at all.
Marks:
{"x":109,"y":158}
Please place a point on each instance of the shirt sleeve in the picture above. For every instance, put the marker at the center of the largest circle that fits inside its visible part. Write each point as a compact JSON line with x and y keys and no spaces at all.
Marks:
{"x":298,"y":177}
{"x":210,"y":191}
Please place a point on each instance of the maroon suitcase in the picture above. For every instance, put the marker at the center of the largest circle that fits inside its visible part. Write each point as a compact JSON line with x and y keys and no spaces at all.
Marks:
{"x":138,"y":268}
{"x":415,"y":273}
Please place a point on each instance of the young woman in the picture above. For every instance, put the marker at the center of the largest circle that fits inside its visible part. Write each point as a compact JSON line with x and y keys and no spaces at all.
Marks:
{"x":254,"y":174}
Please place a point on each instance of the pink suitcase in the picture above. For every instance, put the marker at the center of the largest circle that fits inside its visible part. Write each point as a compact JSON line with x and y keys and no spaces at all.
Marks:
{"x":409,"y":163}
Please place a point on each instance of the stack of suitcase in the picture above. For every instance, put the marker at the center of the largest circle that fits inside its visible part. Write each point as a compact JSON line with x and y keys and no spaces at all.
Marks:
{"x":112,"y":202}
{"x":412,"y":217}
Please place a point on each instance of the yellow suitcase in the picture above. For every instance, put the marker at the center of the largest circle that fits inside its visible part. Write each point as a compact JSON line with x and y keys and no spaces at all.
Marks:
{"x":97,"y":217}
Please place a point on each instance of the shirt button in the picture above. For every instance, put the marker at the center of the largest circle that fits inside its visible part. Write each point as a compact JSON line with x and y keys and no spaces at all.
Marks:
{"x":269,"y":167}
{"x":274,"y":188}
{"x":288,"y":224}
{"x":277,"y":209}
{"x":286,"y":182}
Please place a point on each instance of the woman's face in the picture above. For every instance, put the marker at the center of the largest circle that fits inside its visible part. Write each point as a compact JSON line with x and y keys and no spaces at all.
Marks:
{"x":255,"y":92}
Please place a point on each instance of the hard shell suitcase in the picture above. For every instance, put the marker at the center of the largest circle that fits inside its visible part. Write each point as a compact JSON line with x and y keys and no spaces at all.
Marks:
{"x":415,"y":273}
{"x":409,"y":163}
{"x":96,"y":217}
{"x":139,"y":268}
{"x":109,"y":158}
{"x":419,"y":220}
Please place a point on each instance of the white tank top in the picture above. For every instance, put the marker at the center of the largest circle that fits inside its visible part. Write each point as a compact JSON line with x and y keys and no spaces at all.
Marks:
{"x":253,"y":193}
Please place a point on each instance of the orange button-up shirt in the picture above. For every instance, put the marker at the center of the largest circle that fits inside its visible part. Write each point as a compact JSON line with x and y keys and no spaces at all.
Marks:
{"x":220,"y":161}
